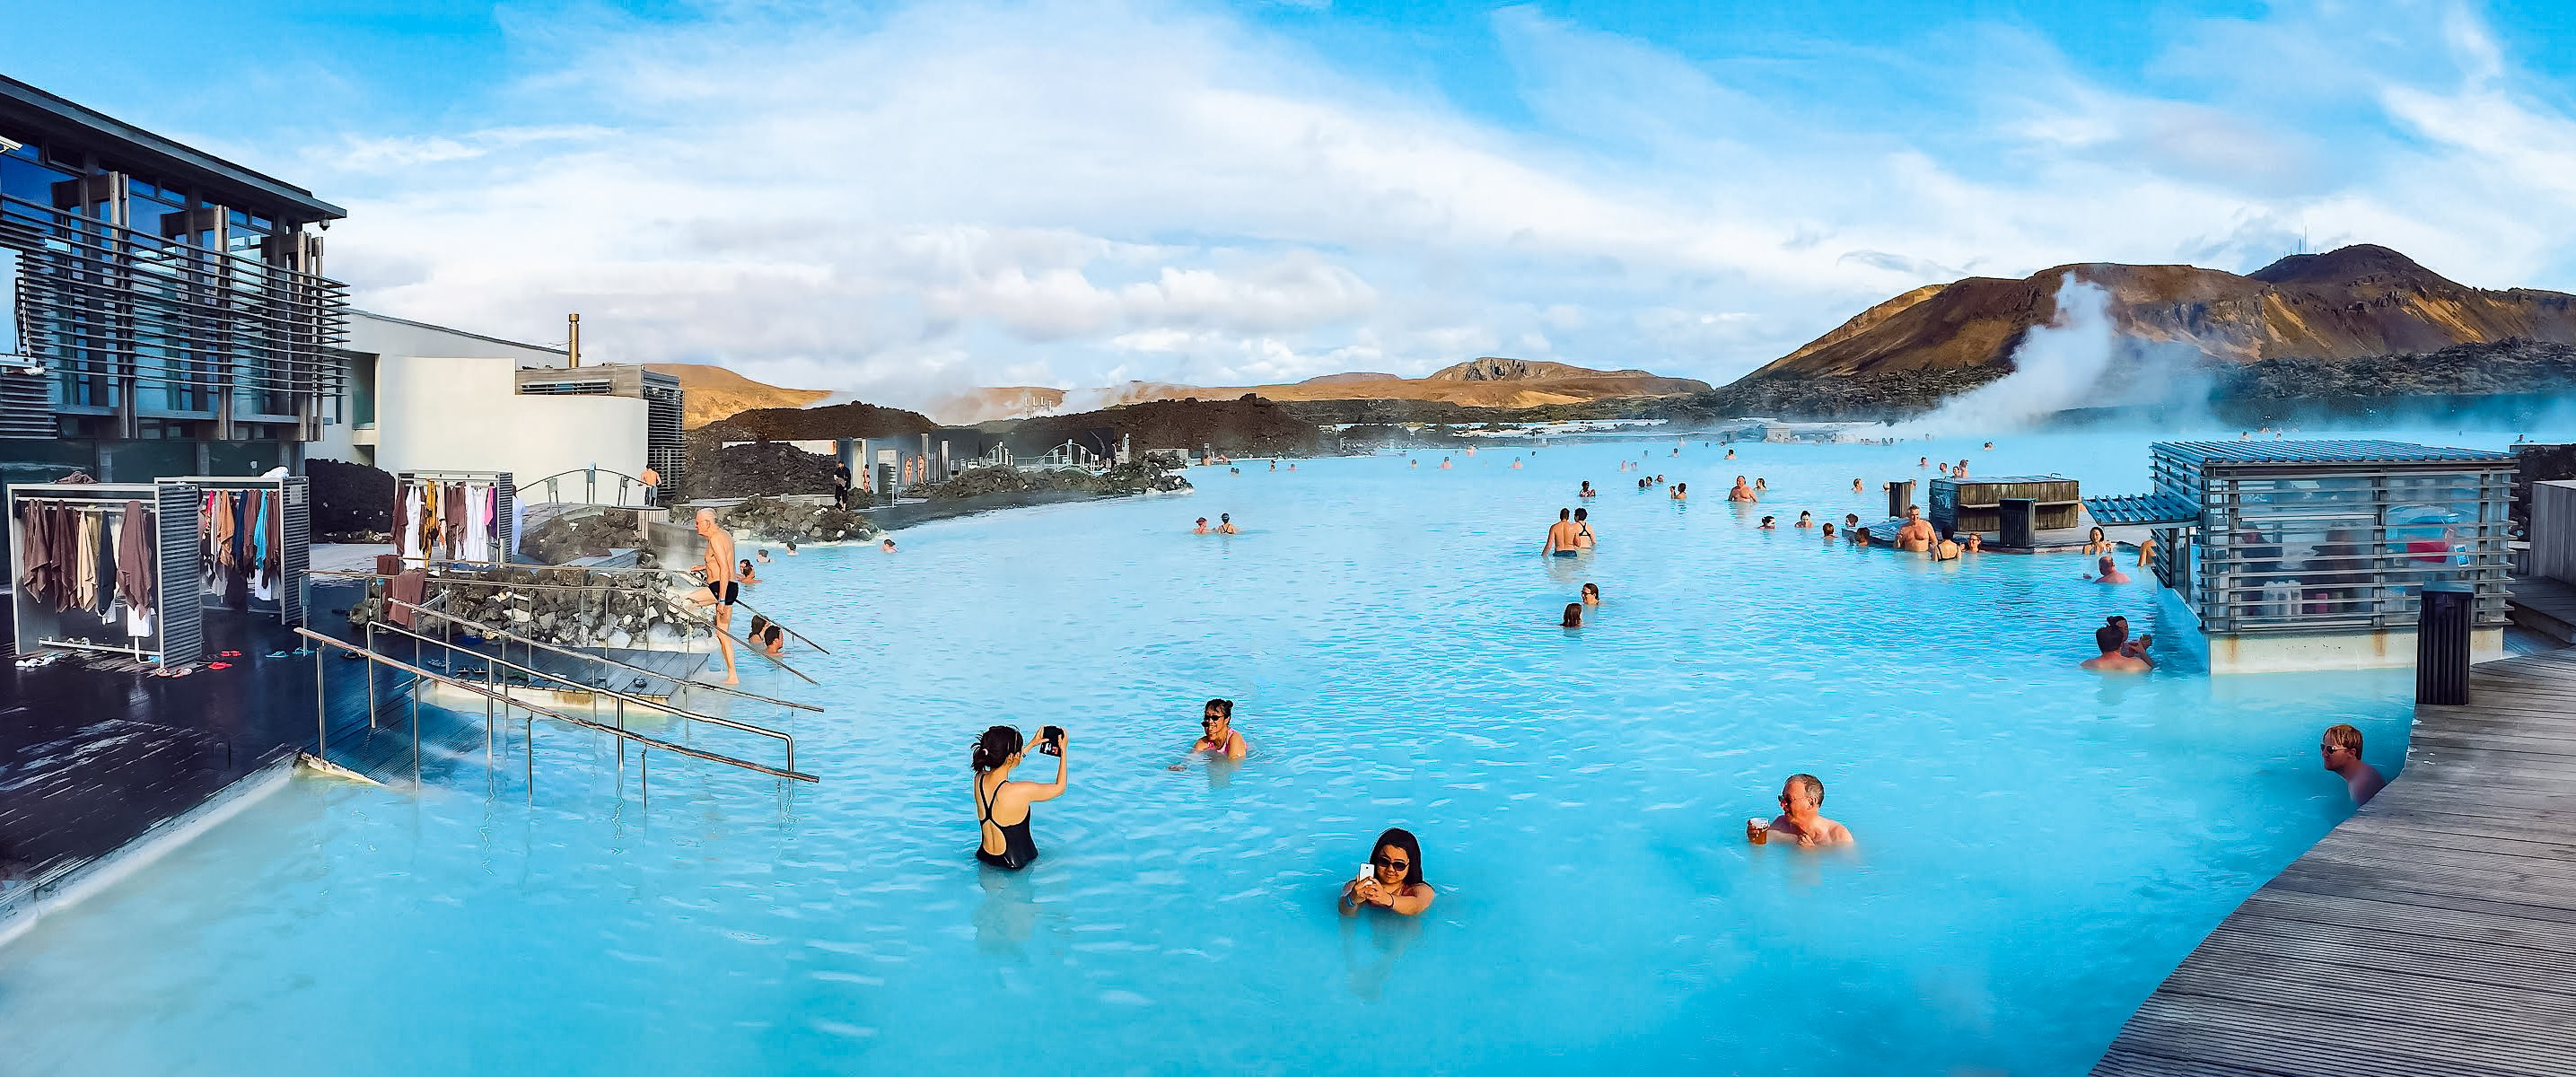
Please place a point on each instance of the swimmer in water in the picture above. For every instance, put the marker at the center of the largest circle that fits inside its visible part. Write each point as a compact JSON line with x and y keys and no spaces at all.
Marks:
{"x":1573,"y":616}
{"x":1681,"y":491}
{"x":742,"y":569}
{"x":1587,"y":490}
{"x":1561,"y":536}
{"x":2120,"y":654}
{"x":1945,"y":470}
{"x":1829,"y":532}
{"x":1851,"y":520}
{"x":1591,"y":594}
{"x":1730,"y":454}
{"x":1990,"y":446}
{"x":774,"y":642}
{"x":1217,"y":737}
{"x":1202,"y":528}
{"x":1805,"y":519}
{"x":1741,"y":492}
{"x":1414,"y":464}
{"x":2110,"y":572}
{"x":1855,"y":486}
{"x":1225,"y":524}
{"x":2095,"y":542}
{"x":887,"y":546}
{"x":1765,"y":525}
{"x":1392,"y":880}
{"x":763,"y":555}
{"x":1916,"y":535}
{"x":1444,"y":463}
{"x":1960,"y":471}
{"x":1976,"y":542}
{"x":1923,"y":461}
{"x":1761,"y":484}
{"x":1516,"y":463}
{"x":1799,"y":822}
{"x":1583,"y":536}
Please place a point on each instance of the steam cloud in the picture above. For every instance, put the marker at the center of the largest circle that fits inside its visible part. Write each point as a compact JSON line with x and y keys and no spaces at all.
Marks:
{"x":2055,"y":368}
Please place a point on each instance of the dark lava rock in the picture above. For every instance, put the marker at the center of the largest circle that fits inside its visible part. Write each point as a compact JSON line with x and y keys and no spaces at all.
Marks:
{"x":1246,"y":426}
{"x":350,"y":497}
{"x":1124,"y":479}
{"x":770,"y":519}
{"x":851,"y":420}
{"x":754,"y":470}
{"x":579,"y":533}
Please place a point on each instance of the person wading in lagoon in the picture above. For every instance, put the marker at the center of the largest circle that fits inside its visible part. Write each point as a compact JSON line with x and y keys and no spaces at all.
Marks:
{"x":2340,"y":749}
{"x":1800,"y":797}
{"x":722,"y":589}
{"x":1562,"y":536}
{"x":1916,"y":535}
{"x":1225,"y":524}
{"x":1217,"y":738}
{"x":1392,"y":879}
{"x":1004,"y":840}
{"x":1591,"y":594}
{"x":2096,"y":543}
{"x":1587,"y":490}
{"x":1681,"y":491}
{"x":1203,"y":528}
{"x":2110,"y":572}
{"x":1743,"y":491}
{"x":743,"y":573}
{"x":1573,"y":616}
{"x":1584,"y":539}
{"x":1805,"y":519}
{"x":2120,"y":654}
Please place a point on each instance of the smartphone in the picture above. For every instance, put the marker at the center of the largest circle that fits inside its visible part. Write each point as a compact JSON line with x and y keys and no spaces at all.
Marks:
{"x":1367,"y":872}
{"x":1051,"y":740}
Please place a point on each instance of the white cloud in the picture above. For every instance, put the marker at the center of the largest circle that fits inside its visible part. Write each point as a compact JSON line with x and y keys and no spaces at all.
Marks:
{"x":1077,"y":193}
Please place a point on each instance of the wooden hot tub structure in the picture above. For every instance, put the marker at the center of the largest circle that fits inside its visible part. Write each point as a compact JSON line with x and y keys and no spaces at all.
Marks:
{"x":1977,"y":504}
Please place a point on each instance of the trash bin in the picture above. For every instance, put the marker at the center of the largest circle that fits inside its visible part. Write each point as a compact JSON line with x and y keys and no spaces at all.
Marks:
{"x":2442,"y":630}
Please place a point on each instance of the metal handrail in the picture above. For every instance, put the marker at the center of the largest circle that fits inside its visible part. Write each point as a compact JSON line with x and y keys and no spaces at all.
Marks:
{"x":590,"y":480}
{"x":622,"y":697}
{"x":509,"y":701}
{"x":487,"y":630}
{"x":687,"y":574}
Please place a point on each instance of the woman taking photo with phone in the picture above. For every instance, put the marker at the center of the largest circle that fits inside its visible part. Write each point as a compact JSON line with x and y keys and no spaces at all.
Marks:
{"x":1002,"y":805}
{"x":1392,"y":879}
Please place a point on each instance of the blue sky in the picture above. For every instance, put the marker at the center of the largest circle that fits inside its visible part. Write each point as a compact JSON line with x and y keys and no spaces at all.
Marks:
{"x":899,"y":200}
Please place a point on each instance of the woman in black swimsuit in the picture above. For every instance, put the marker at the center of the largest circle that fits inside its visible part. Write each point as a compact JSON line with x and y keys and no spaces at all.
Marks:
{"x":1005,"y":840}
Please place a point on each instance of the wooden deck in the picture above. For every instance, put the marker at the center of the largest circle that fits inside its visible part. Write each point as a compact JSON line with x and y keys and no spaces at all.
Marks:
{"x":2543,"y":605}
{"x":2433,"y":932}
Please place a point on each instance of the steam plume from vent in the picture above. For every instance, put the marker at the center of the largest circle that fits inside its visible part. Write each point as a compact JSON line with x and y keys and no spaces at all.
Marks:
{"x":2055,"y":367}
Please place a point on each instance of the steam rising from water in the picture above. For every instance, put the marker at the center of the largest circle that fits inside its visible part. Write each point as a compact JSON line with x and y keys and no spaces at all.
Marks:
{"x":2055,"y":368}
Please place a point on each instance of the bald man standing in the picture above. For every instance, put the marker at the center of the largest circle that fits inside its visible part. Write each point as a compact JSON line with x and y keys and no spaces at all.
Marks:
{"x":722,"y":587}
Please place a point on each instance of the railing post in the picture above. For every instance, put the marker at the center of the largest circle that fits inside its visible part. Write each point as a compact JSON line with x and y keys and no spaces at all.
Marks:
{"x":321,"y":710}
{"x":371,"y":673}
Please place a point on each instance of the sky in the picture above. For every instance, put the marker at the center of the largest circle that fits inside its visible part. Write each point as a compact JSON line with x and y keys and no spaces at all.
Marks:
{"x":900,"y":200}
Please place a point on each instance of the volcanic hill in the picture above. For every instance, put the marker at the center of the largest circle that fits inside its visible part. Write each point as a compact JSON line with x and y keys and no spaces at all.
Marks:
{"x":1489,"y":381}
{"x":710,"y":393}
{"x":2297,"y":316}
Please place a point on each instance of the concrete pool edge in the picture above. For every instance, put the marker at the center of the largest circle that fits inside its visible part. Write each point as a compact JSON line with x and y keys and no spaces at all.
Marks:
{"x":26,"y":906}
{"x":2360,"y":956}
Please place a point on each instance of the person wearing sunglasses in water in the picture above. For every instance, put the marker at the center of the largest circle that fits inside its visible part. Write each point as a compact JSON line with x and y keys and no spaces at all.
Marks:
{"x":1392,"y":879}
{"x":1217,"y":736}
{"x":1799,"y":823}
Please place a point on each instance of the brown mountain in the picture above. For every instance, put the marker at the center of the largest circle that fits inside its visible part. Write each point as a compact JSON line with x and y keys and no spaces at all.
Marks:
{"x":2353,"y":303}
{"x":713,"y":392}
{"x":1489,"y":381}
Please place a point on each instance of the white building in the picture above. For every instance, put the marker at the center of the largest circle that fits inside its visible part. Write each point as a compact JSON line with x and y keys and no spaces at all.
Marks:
{"x":425,"y":397}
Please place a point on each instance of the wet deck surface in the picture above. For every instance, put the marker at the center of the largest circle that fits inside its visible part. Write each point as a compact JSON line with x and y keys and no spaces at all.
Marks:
{"x":2543,"y":605}
{"x":91,"y":758}
{"x":2433,"y":932}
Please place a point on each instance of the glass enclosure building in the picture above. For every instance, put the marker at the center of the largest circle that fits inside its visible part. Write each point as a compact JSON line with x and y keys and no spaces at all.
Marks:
{"x":163,"y":311}
{"x":2292,"y":538}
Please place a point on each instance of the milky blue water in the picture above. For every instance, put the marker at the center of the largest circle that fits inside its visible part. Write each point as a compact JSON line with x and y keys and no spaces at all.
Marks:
{"x":2038,"y":845}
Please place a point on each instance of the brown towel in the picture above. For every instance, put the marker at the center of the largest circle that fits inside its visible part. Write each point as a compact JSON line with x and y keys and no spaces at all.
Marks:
{"x":135,"y":572}
{"x":405,"y":588}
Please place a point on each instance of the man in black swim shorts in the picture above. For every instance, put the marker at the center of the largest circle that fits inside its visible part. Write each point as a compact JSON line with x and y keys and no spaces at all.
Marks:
{"x":722,"y":588}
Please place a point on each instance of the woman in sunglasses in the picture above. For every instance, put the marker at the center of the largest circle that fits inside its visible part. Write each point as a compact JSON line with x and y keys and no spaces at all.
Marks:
{"x":1392,"y":879}
{"x":1217,"y":736}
